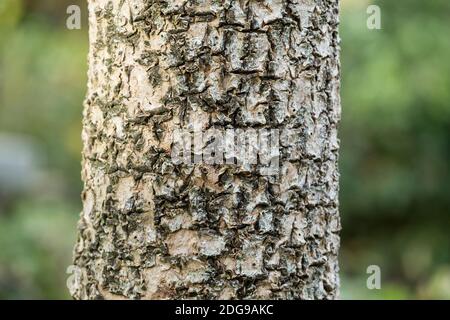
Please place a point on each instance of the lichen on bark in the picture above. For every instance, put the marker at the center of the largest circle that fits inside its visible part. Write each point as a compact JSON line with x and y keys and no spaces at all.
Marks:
{"x":152,"y":229}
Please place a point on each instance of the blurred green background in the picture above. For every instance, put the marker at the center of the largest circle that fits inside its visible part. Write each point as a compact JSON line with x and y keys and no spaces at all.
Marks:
{"x":395,"y":133}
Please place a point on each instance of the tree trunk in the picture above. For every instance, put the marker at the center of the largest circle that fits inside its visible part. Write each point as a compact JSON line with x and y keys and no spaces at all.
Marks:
{"x":154,"y":228}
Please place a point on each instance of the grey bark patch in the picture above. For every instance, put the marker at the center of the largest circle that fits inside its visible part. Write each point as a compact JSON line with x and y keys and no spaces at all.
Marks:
{"x":153,"y":229}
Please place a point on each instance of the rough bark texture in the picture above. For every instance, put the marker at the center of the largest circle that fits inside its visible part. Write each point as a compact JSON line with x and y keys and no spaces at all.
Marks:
{"x":154,"y":230}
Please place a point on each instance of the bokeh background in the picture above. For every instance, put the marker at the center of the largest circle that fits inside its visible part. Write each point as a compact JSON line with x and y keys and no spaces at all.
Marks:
{"x":395,"y":133}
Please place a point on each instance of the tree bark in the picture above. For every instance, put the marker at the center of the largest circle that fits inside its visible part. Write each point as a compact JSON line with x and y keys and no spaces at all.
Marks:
{"x":154,"y":229}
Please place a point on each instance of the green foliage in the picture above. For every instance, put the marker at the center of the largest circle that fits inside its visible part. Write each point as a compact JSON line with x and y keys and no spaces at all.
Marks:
{"x":42,"y":86}
{"x":395,"y":146}
{"x":36,"y":241}
{"x":10,"y":13}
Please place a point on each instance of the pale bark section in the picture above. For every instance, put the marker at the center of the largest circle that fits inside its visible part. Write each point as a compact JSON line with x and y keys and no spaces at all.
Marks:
{"x":151,"y":229}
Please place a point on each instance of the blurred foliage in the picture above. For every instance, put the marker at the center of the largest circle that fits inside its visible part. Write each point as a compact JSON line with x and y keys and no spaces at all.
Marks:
{"x":395,"y":156}
{"x":42,"y":86}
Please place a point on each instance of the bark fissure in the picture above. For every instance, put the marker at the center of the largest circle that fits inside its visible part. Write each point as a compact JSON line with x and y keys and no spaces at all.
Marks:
{"x":152,"y":229}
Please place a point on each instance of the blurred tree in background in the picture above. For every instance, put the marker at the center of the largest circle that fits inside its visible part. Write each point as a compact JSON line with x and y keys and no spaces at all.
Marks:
{"x":395,"y":155}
